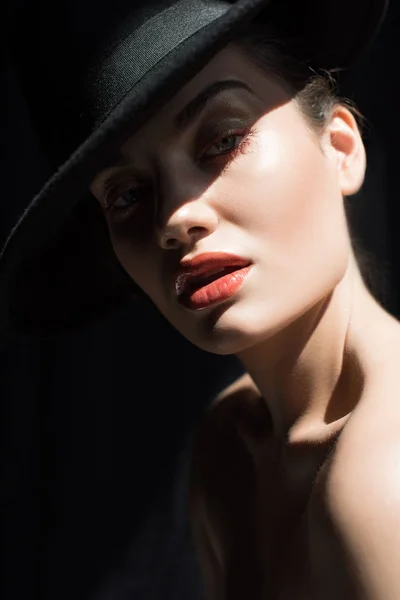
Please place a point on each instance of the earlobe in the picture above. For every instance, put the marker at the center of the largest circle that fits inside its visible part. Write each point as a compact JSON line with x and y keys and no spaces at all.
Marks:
{"x":348,"y":150}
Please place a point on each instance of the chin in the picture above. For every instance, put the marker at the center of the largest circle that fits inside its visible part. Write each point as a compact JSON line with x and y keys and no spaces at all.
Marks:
{"x":231,"y":329}
{"x":224,"y":343}
{"x":235,"y":328}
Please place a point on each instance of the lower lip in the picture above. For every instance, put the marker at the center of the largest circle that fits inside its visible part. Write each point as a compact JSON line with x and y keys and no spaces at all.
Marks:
{"x":217,"y":291}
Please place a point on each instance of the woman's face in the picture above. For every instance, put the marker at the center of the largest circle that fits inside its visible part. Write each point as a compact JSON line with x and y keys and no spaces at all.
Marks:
{"x":237,"y":171}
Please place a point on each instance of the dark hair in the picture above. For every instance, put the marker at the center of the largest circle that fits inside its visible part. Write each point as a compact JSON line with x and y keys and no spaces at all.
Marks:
{"x":316,"y":94}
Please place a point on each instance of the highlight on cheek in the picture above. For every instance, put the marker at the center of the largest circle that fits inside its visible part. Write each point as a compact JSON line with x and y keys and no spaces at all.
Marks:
{"x":269,"y":148}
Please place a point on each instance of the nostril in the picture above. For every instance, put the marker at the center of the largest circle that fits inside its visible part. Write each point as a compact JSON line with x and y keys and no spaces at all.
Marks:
{"x":196,"y":230}
{"x":171,"y":243}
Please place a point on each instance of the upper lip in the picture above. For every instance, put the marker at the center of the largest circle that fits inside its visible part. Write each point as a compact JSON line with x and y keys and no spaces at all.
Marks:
{"x":202,"y":264}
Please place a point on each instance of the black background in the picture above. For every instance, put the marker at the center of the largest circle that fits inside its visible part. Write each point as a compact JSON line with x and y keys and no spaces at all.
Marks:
{"x":97,"y":425}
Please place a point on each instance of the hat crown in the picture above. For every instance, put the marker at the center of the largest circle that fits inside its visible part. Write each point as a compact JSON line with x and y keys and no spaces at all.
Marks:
{"x":137,"y":44}
{"x":79,"y":59}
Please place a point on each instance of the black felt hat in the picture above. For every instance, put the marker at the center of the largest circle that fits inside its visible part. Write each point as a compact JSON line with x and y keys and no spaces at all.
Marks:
{"x":92,"y":73}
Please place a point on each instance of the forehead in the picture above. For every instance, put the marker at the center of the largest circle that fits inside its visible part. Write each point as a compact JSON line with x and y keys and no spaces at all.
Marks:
{"x":228,"y":64}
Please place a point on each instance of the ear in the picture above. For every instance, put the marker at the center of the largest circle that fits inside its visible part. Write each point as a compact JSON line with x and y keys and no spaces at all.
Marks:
{"x":346,"y":148}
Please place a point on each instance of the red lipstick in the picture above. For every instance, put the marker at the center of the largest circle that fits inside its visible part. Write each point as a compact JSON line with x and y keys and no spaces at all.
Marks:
{"x":210,"y":278}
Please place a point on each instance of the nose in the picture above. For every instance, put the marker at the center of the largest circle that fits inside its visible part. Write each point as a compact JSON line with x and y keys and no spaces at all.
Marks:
{"x":188,"y":223}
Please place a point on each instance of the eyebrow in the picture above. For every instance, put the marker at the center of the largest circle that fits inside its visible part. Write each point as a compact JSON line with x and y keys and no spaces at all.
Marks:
{"x":193,"y":109}
{"x":189,"y":112}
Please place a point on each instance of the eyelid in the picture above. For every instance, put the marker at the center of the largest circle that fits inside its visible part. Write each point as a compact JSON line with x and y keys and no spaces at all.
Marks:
{"x":118,"y":179}
{"x":211,"y":130}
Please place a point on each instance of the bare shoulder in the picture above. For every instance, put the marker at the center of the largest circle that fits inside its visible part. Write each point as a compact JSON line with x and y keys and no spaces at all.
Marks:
{"x":354,"y":510}
{"x":366,"y":444}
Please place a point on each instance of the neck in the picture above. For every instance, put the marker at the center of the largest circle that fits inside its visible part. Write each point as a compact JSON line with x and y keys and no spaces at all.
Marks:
{"x":312,"y":374}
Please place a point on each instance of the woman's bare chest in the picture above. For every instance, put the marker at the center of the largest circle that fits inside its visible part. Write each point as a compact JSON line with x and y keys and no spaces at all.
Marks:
{"x":281,"y":538}
{"x":255,"y":517}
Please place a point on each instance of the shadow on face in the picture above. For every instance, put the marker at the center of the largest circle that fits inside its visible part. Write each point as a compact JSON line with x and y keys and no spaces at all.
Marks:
{"x":231,"y":165}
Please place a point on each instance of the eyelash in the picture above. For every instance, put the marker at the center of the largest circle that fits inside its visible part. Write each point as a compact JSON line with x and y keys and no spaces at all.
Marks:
{"x":240,"y":148}
{"x":230,"y":156}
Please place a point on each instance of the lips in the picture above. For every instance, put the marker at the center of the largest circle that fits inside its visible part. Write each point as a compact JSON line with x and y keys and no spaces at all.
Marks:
{"x":209,"y":278}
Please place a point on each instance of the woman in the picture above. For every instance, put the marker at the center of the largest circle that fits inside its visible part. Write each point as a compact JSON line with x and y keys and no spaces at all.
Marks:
{"x":226,"y":206}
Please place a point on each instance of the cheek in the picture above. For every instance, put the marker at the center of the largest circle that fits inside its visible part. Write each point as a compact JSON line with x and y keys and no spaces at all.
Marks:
{"x":286,"y":195}
{"x":134,"y":255}
{"x":142,"y":262}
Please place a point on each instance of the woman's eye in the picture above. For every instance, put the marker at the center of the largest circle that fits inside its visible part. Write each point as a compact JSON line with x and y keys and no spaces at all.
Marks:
{"x":228,"y":147}
{"x":224,"y":145}
{"x":127,"y":199}
{"x":123,"y":202}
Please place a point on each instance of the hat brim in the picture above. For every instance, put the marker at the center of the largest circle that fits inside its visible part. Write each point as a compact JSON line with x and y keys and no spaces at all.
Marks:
{"x":52,"y":277}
